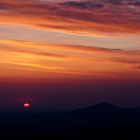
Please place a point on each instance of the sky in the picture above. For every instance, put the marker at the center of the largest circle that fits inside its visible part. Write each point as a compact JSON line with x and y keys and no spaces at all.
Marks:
{"x":50,"y":47}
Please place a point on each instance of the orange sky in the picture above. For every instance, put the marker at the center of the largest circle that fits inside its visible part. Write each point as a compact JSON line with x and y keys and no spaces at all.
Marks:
{"x":31,"y":59}
{"x":21,"y":58}
{"x":111,"y":18}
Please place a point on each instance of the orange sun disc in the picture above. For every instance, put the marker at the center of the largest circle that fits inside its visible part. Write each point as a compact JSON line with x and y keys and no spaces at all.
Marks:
{"x":26,"y":105}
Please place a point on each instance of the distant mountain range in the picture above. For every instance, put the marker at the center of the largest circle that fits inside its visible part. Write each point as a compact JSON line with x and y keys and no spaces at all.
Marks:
{"x":107,"y":107}
{"x":100,"y":119}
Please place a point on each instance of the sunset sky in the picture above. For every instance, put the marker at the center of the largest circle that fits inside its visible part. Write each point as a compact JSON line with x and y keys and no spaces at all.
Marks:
{"x":43,"y":42}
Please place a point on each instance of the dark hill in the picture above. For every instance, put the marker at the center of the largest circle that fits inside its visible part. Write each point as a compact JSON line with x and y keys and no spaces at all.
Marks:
{"x":102,"y":107}
{"x":103,"y":119}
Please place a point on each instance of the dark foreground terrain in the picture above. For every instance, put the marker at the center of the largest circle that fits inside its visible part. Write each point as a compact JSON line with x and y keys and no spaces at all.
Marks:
{"x":103,"y":120}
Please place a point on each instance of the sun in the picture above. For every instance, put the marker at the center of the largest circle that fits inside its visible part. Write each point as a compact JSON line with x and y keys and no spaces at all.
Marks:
{"x":26,"y":105}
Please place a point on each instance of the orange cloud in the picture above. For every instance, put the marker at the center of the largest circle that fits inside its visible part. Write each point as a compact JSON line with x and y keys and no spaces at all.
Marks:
{"x":109,"y":19}
{"x":30,"y":59}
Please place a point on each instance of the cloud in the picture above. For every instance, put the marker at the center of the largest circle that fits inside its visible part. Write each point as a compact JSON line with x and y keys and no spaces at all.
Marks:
{"x":34,"y":59}
{"x":127,"y":60}
{"x":138,"y":67}
{"x":46,"y":15}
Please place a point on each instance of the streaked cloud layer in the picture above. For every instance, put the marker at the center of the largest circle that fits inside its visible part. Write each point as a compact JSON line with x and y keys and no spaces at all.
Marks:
{"x":68,"y":17}
{"x":31,"y":59}
{"x":20,"y":32}
{"x":40,"y":39}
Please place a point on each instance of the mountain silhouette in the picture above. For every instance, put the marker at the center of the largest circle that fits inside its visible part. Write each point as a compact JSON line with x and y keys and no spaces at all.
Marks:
{"x":102,"y":118}
{"x":102,"y":107}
